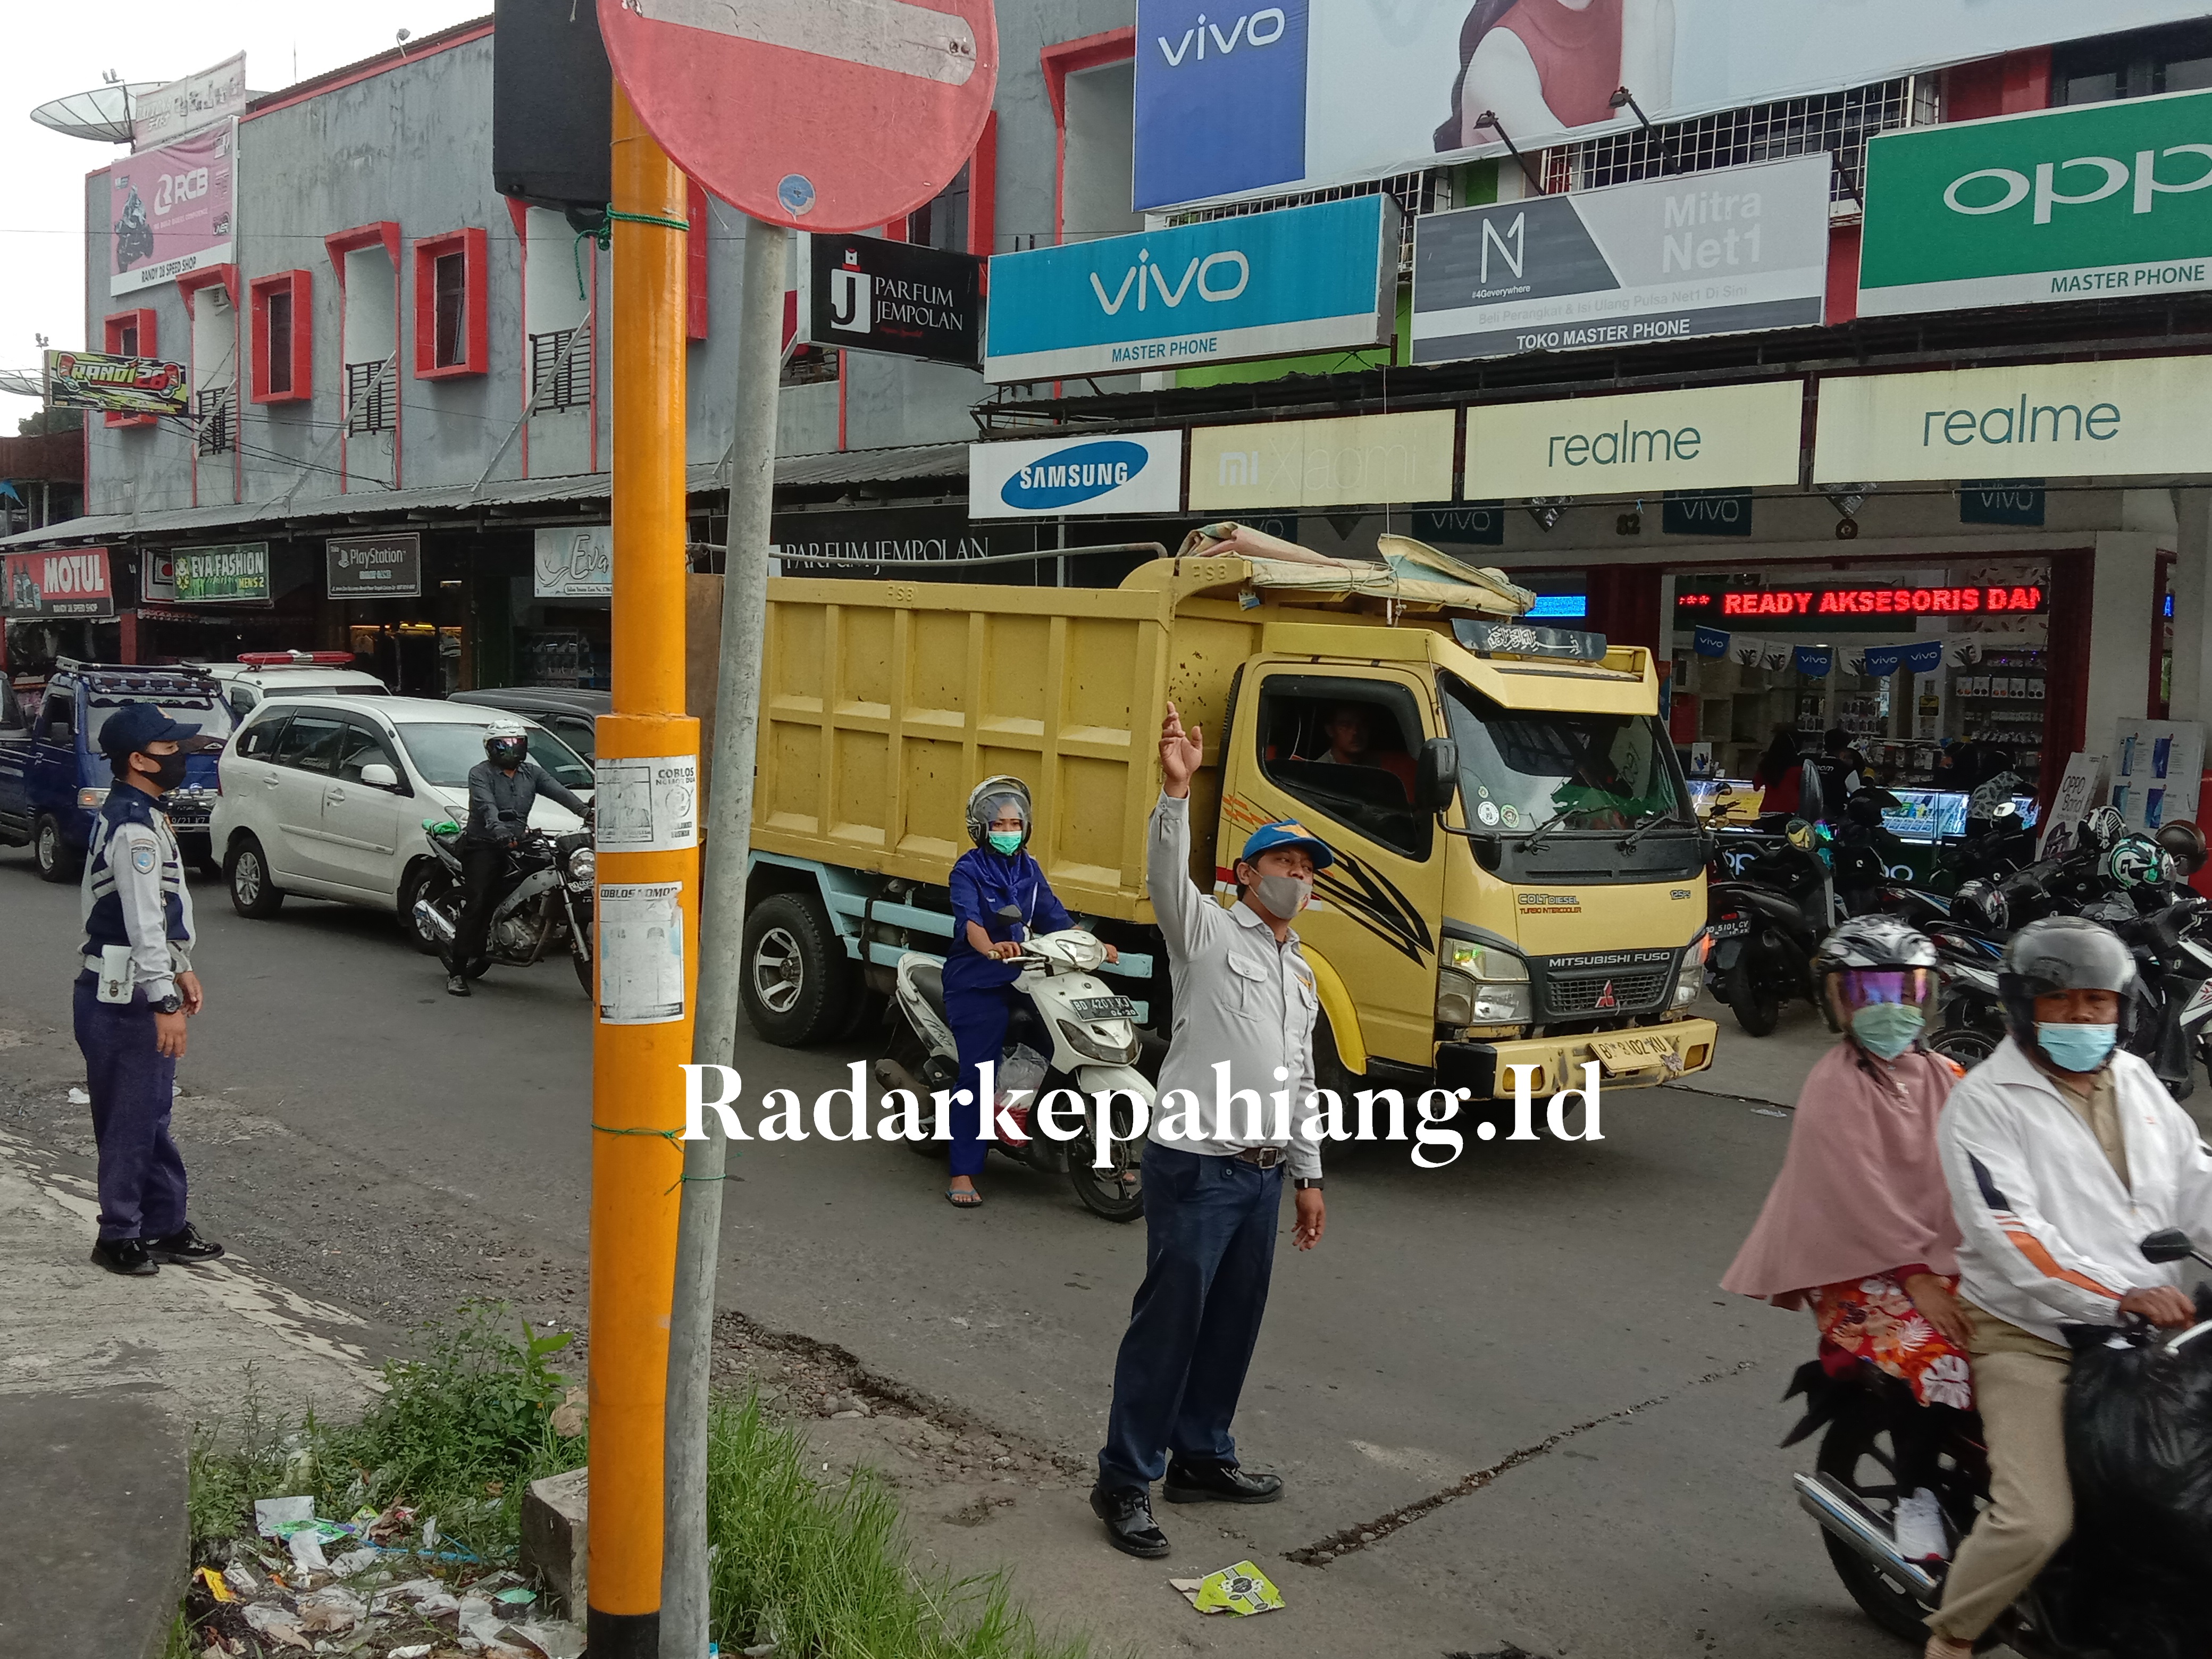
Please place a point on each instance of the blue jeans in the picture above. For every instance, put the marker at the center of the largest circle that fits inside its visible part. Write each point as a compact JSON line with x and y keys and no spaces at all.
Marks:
{"x":141,"y":1177}
{"x":1209,"y":1251}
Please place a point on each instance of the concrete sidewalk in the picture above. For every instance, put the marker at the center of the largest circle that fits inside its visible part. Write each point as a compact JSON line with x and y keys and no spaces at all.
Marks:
{"x":101,"y":1382}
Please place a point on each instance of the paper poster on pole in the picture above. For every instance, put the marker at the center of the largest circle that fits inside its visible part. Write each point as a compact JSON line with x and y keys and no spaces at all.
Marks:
{"x":2081,"y":789}
{"x":641,"y":953}
{"x":647,"y":804}
{"x":2157,"y":768}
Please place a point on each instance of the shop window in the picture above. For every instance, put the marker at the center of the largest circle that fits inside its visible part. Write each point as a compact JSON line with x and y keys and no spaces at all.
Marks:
{"x":942,"y":222}
{"x":1346,"y":748}
{"x":2134,"y":65}
{"x":366,"y":259}
{"x":283,"y":337}
{"x":1097,"y":110}
{"x":556,"y":312}
{"x":211,"y":305}
{"x":131,"y":334}
{"x":451,"y":337}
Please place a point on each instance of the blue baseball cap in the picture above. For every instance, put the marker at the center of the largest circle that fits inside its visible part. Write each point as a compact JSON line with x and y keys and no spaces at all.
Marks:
{"x":132,"y":727}
{"x":1286,"y":832}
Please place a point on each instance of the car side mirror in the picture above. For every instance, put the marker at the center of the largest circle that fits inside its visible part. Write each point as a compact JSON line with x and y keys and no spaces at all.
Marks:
{"x":1437,"y":774}
{"x":2170,"y":1245}
{"x":377,"y":775}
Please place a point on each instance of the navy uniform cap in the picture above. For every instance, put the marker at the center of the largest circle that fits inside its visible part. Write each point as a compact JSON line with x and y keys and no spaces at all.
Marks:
{"x":132,"y":727}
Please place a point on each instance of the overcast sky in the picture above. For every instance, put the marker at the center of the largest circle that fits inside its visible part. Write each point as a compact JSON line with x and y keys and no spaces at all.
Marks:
{"x":55,"y":47}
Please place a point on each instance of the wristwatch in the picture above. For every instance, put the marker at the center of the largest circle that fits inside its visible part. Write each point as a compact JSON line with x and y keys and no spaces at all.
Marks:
{"x":1306,"y":1183}
{"x":170,"y":1004}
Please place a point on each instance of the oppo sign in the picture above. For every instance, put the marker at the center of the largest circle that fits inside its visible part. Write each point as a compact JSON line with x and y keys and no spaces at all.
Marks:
{"x":2034,"y":210}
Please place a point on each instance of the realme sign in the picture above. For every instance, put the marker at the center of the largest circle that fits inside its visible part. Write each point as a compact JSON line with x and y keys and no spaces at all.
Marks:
{"x":1364,"y":460}
{"x":1706,"y":438}
{"x":2141,"y":416}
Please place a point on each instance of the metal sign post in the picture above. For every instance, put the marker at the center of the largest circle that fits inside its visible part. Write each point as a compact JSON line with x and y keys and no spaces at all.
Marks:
{"x":648,"y":911}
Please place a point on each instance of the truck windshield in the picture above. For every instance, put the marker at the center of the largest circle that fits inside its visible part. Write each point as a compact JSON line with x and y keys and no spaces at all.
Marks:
{"x":211,"y":714}
{"x":1520,"y":769}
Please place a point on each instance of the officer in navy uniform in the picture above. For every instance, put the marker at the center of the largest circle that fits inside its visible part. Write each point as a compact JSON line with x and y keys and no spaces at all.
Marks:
{"x":137,"y":989}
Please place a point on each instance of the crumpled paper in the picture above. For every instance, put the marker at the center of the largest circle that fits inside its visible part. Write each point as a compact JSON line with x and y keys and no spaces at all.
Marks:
{"x":1243,"y":1589}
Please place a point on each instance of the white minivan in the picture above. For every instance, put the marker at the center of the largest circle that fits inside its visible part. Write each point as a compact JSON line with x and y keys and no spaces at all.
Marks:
{"x":325,"y":797}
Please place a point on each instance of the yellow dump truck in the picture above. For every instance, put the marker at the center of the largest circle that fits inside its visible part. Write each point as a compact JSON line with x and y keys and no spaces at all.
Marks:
{"x":1519,"y":878}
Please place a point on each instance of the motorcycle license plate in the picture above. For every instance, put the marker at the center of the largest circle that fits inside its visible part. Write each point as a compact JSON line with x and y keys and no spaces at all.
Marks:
{"x":1633,"y":1054}
{"x":1103,"y":1008}
{"x":1731,"y":927}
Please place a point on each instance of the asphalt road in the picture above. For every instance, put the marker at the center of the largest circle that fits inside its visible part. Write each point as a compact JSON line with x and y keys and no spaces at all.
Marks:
{"x":379,"y":1145}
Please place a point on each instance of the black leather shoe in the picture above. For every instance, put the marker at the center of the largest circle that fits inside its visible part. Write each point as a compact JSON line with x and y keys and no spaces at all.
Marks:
{"x":1219,"y":1483}
{"x":184,"y":1247}
{"x":1127,"y":1513}
{"x":456,"y":986}
{"x":123,"y":1255}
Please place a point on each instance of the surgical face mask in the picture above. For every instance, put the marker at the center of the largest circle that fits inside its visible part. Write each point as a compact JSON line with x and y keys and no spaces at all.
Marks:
{"x":1008,"y":841}
{"x":1281,"y":896}
{"x":1886,"y":1030}
{"x":2076,"y":1047}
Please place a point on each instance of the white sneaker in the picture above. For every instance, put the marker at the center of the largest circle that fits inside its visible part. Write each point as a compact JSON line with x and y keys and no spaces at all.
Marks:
{"x":1918,"y":1526}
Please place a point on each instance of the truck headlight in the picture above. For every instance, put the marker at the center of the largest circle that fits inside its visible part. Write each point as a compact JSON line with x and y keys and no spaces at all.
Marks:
{"x":1695,"y":955}
{"x":1089,"y":1044}
{"x":1482,"y":985}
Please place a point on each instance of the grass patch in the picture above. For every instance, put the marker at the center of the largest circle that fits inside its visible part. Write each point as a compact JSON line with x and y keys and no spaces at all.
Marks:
{"x":825,"y":1570}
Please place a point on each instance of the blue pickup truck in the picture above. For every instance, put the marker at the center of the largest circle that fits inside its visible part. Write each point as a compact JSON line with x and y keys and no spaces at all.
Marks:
{"x":53,"y":777}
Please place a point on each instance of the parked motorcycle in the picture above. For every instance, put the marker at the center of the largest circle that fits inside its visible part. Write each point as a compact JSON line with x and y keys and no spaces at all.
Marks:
{"x":544,"y":905}
{"x":1765,"y":926}
{"x":1087,"y":1035}
{"x":1879,"y":1446}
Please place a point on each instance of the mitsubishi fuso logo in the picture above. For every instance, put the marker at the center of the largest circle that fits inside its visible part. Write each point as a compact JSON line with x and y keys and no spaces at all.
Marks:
{"x":849,"y":291}
{"x":1255,"y":29}
{"x":1216,"y":276}
{"x":2085,"y":178}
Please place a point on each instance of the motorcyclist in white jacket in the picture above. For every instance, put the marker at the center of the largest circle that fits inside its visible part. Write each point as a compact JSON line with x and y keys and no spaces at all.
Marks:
{"x":2062,"y":1153}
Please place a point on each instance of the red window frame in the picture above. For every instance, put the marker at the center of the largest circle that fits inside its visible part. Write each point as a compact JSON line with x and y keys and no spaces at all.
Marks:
{"x":299,"y":287}
{"x":145,"y":328}
{"x":476,"y":335}
{"x":1060,"y":60}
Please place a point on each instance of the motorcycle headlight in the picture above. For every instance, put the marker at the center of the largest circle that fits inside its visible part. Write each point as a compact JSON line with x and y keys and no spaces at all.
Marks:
{"x":583,"y":869}
{"x":1086,"y":1041}
{"x":1482,"y":985}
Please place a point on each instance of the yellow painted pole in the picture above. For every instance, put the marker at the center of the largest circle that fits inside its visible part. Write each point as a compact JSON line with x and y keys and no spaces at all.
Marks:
{"x":648,"y":913}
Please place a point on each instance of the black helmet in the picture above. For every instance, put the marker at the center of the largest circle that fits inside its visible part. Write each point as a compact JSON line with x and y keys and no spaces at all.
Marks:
{"x":1981,"y":905}
{"x":2185,"y":843}
{"x":2101,"y":828}
{"x":2063,"y":953}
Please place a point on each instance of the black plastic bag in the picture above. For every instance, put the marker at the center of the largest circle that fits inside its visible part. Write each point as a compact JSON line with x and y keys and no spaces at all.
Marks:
{"x":2139,"y":1454}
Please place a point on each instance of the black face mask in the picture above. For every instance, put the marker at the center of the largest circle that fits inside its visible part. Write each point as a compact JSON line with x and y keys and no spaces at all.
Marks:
{"x":169,"y":769}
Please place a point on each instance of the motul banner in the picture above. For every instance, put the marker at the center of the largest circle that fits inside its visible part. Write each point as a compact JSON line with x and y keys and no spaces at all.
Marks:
{"x":75,"y":582}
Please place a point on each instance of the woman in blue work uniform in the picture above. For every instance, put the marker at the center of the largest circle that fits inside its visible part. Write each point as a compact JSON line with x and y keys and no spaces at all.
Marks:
{"x":980,"y":997}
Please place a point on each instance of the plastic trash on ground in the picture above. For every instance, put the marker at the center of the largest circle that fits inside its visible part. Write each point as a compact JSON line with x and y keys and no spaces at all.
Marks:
{"x":1243,"y":1589}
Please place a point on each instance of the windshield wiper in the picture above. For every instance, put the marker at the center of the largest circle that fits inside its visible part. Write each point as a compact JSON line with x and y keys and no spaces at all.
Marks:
{"x":1536,"y":835}
{"x":1629,"y":840}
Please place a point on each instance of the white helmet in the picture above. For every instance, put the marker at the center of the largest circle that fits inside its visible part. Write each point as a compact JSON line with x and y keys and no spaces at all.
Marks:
{"x":507,"y":740}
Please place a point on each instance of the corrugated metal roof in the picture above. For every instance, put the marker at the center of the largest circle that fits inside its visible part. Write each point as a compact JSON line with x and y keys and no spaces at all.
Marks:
{"x":851,"y":467}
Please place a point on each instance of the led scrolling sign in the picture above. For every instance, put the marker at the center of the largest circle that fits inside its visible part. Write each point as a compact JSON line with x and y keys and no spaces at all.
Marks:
{"x":1845,"y":603}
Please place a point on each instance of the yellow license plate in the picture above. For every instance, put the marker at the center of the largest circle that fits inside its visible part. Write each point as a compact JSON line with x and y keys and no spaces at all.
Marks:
{"x":1633,"y":1054}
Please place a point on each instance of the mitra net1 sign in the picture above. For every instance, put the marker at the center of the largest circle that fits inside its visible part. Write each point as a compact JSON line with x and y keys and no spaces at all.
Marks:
{"x":2027,"y":210}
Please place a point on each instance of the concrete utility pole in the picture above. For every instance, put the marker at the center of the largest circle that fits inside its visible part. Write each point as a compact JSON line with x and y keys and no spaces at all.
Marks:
{"x":647,"y":910}
{"x":721,"y":957}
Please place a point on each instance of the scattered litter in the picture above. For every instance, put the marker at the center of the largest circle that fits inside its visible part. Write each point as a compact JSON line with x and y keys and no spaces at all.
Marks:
{"x":216,"y":1588}
{"x":520,"y":1595}
{"x":1769,"y":1111}
{"x":307,"y":1550}
{"x":762,"y":1651}
{"x":1243,"y":1589}
{"x":430,"y":1598}
{"x":419,"y":1650}
{"x":430,"y":1534}
{"x":274,"y":1517}
{"x":241,"y":1579}
{"x":354,"y":1561}
{"x":78,"y":1098}
{"x":332,"y":1612}
{"x":277,"y":1626}
{"x":556,"y":1638}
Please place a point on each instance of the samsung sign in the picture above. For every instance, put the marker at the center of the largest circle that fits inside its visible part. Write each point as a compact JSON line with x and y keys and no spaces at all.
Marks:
{"x":1316,"y":278}
{"x":1080,"y":477}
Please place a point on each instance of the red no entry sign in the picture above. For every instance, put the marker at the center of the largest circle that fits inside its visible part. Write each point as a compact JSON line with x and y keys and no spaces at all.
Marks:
{"x":832,"y":115}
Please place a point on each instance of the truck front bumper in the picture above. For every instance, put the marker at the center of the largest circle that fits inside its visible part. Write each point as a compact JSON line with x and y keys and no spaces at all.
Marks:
{"x":1485,"y":1069}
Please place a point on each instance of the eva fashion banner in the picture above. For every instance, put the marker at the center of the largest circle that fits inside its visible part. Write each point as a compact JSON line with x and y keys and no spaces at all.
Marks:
{"x":170,"y":211}
{"x":1234,"y":99}
{"x":1723,"y":252}
{"x":2087,"y":202}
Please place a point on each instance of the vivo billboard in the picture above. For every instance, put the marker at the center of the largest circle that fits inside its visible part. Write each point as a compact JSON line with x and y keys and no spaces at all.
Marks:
{"x":2084,"y":203}
{"x":1317,"y":278}
{"x":1233,"y":98}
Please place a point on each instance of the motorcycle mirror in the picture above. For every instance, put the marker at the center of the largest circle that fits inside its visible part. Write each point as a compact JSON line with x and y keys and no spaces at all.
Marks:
{"x":2170,"y":1244}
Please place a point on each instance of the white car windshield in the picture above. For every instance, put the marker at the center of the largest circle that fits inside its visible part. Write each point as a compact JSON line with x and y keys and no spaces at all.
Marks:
{"x":444,"y":750}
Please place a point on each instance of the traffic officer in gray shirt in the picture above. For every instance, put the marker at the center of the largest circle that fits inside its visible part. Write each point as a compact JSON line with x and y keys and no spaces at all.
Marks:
{"x":1244,"y":1011}
{"x":134,"y":992}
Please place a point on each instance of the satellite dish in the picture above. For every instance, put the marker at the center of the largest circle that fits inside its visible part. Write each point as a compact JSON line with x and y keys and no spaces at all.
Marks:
{"x":102,"y":114}
{"x":22,"y":384}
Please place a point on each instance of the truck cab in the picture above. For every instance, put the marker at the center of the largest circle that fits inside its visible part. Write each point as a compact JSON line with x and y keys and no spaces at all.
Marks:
{"x":53,"y":776}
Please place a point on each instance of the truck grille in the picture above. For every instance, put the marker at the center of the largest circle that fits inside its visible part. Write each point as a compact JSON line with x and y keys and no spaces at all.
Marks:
{"x":1632,"y":993}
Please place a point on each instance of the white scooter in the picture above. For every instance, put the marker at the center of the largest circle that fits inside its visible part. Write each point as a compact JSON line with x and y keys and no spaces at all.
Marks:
{"x":1088,"y":1036}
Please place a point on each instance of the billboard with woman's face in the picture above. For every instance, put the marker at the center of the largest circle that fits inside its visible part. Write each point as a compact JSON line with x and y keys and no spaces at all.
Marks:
{"x":1233,"y":98}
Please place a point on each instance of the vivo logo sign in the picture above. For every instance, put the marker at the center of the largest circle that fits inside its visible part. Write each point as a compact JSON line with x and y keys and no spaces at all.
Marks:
{"x":1257,"y":28}
{"x":1212,"y":275}
{"x":1068,"y":476}
{"x":2098,"y":177}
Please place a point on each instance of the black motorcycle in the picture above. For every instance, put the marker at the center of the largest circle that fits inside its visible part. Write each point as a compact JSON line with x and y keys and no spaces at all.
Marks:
{"x":1879,"y":1446}
{"x":1766,"y":919}
{"x":541,"y":903}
